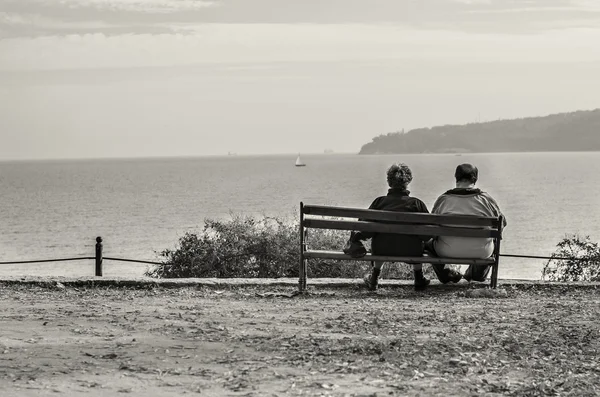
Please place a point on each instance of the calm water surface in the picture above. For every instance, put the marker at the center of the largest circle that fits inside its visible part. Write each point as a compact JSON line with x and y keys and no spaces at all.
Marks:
{"x":52,"y":209}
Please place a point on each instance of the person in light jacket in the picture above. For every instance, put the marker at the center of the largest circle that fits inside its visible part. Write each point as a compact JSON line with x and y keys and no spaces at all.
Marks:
{"x":464,"y":199}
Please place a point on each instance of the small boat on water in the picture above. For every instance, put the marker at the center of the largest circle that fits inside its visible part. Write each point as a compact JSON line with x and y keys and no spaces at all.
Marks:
{"x":299,"y":162}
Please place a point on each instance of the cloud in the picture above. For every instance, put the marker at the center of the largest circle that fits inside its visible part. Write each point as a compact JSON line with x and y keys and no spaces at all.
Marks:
{"x":517,"y":10}
{"x":59,"y":17}
{"x":30,"y":18}
{"x":8,"y":18}
{"x":511,"y":7}
{"x":34,"y":18}
{"x":14,"y":25}
{"x":267,"y":43}
{"x":150,"y":6}
{"x":37,"y":20}
{"x":473,"y":2}
{"x":588,"y":5}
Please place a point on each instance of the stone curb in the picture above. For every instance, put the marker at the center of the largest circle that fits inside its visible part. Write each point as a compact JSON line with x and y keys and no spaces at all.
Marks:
{"x":261,"y":282}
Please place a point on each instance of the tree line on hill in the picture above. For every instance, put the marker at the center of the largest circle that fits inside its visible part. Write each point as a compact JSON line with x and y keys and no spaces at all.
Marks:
{"x":575,"y":131}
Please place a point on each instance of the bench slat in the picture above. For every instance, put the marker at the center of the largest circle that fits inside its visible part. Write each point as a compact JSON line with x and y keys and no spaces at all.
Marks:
{"x":408,"y":217}
{"x":422,"y":230}
{"x":369,"y":257}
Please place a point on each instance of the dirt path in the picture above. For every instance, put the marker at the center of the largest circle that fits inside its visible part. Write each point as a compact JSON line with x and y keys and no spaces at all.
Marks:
{"x":244,"y":341}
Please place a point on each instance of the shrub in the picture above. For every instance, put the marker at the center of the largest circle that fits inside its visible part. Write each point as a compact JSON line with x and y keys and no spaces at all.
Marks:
{"x":575,"y":259}
{"x":245,"y":246}
{"x":266,"y":247}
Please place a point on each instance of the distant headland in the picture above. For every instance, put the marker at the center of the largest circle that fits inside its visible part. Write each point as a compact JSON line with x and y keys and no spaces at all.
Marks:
{"x":575,"y":131}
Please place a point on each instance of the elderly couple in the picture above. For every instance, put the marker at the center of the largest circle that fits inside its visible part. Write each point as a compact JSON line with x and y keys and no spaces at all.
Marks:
{"x":464,"y":199}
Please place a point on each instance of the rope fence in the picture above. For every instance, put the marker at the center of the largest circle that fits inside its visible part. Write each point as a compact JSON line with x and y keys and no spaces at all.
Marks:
{"x":48,"y":260}
{"x":99,"y":259}
{"x":131,"y":260}
{"x":537,"y":257}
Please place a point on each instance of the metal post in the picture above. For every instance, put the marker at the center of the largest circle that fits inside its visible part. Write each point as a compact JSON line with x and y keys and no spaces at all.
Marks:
{"x":99,"y":256}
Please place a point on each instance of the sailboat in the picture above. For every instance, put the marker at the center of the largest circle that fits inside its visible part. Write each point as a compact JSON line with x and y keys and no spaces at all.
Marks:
{"x":299,"y":162}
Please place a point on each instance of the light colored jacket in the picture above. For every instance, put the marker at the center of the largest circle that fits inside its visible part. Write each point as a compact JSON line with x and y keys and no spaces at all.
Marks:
{"x":465,"y":202}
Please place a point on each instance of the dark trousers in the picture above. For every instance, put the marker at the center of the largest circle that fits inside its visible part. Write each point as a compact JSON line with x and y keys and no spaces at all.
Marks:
{"x":473,"y":272}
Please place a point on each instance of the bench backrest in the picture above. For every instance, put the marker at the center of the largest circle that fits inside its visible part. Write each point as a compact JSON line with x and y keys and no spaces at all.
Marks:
{"x":312,"y":216}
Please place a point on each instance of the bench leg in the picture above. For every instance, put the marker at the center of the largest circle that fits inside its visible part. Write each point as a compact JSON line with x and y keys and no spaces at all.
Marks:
{"x":494,"y":281}
{"x":300,"y":274}
{"x":302,"y":279}
{"x":305,"y":271}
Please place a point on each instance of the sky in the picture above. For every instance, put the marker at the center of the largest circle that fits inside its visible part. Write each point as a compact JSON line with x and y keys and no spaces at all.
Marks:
{"x":145,"y":78}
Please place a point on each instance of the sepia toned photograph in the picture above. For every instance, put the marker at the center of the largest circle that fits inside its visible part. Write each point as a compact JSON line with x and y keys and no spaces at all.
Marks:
{"x":299,"y":198}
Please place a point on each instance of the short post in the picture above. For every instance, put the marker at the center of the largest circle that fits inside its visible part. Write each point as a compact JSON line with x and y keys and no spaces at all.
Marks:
{"x":99,"y":256}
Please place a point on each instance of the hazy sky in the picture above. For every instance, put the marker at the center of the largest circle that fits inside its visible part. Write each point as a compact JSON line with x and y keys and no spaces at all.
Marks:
{"x":124,"y":78}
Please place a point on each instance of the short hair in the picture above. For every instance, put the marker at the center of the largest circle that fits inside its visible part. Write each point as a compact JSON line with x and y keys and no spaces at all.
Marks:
{"x":466,"y":172}
{"x":399,"y":175}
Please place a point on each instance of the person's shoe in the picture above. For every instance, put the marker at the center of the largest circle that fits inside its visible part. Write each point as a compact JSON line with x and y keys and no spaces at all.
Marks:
{"x":473,"y":280}
{"x":476,"y":274}
{"x":367,"y":280}
{"x":448,"y":275}
{"x":371,"y":280}
{"x":453,"y":276}
{"x":421,"y":282}
{"x":354,"y":247}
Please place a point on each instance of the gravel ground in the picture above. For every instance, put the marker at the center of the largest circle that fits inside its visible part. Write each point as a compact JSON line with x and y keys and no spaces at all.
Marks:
{"x":67,"y":337}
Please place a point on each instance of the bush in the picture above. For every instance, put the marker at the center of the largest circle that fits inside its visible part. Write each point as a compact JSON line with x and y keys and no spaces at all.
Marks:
{"x":266,"y":247}
{"x":575,"y":259}
{"x":245,"y":246}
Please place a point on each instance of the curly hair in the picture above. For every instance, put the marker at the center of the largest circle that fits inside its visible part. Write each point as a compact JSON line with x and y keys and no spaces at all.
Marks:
{"x":399,"y":175}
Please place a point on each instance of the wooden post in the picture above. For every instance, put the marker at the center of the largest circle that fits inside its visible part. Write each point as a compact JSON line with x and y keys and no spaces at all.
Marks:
{"x":99,"y":256}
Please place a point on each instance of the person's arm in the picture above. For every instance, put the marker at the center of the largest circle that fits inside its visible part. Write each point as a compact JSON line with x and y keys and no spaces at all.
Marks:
{"x":495,"y":208}
{"x":422,"y":208}
{"x":437,"y":206}
{"x":367,"y":235}
{"x":375,"y":204}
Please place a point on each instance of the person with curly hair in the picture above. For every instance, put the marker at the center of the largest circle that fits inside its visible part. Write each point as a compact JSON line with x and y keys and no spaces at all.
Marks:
{"x":398,"y":199}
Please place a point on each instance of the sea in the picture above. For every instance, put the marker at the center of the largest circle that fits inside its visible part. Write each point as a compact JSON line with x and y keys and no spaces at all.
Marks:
{"x":56,"y":208}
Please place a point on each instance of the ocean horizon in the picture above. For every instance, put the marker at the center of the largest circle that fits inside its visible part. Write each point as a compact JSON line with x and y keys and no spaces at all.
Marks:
{"x":227,"y":155}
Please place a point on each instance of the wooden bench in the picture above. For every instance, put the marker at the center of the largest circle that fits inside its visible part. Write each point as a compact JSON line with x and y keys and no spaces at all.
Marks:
{"x":315,"y":217}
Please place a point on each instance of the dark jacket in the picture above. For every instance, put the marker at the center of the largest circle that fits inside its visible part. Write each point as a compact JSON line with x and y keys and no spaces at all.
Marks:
{"x":397,"y":244}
